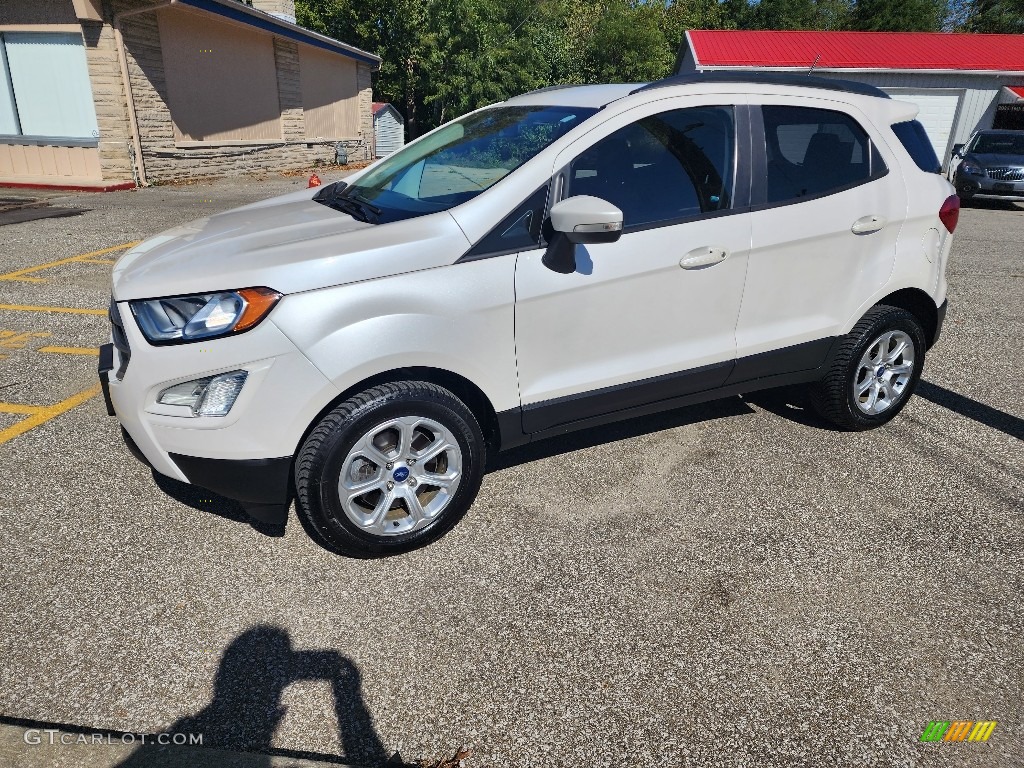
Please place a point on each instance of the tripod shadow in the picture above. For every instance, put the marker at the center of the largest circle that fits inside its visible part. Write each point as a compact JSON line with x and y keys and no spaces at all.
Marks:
{"x":246,"y":708}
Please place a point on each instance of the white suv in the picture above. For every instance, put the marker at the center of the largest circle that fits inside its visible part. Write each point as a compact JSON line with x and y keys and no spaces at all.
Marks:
{"x":564,"y":259}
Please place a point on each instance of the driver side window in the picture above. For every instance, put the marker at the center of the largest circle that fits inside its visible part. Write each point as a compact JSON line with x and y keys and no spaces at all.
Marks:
{"x":666,"y":167}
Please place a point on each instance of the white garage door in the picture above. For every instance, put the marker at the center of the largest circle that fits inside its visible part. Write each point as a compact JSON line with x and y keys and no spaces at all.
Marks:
{"x":938,"y":113}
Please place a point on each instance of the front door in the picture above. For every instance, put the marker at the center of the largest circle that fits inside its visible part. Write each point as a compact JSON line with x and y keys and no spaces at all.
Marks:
{"x":652,"y":316}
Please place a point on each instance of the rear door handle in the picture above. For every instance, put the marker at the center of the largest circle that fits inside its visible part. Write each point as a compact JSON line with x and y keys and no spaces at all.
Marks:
{"x":868,"y":224}
{"x":703,"y":257}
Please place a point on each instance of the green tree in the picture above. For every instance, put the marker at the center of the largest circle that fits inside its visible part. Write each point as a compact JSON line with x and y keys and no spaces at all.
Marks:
{"x":1004,"y":16}
{"x":443,"y":58}
{"x":899,"y":15}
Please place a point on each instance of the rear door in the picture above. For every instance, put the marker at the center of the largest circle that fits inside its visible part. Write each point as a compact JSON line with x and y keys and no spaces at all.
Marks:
{"x":829,"y":202}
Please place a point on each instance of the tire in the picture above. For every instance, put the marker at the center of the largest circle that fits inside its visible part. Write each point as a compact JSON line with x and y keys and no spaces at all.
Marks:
{"x":867,"y":385}
{"x":363,"y":475}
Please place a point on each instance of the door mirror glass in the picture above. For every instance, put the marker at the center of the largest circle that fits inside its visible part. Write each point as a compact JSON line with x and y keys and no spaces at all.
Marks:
{"x":957,"y":149}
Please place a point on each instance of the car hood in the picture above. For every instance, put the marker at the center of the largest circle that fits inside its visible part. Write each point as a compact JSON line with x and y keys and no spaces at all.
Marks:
{"x":290,"y":244}
{"x":987,"y":160}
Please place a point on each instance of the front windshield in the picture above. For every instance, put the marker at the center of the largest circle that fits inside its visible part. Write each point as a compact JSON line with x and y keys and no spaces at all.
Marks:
{"x":461,"y":160}
{"x":999,"y":144}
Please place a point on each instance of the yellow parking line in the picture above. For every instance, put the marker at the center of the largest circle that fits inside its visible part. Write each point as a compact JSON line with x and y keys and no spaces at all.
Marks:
{"x":70,"y":350}
{"x":44,"y":414}
{"x":64,"y":310}
{"x":19,"y":274}
{"x":26,"y":410}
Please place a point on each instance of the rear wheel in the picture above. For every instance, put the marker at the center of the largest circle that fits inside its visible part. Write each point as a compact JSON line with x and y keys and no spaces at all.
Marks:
{"x":874,"y":370}
{"x":391,"y":469}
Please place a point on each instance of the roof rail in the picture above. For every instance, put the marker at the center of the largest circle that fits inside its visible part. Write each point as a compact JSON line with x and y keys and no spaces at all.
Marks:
{"x":558,"y":87}
{"x":766,"y":78}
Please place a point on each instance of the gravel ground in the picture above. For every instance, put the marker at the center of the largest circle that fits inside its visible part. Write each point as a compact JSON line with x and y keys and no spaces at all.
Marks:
{"x":725,"y":585}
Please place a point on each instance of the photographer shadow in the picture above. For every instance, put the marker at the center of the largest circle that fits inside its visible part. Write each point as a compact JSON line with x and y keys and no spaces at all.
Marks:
{"x":246,"y":708}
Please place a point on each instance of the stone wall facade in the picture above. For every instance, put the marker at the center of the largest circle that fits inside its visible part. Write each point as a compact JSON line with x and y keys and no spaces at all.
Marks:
{"x":115,"y":141}
{"x":162,"y":159}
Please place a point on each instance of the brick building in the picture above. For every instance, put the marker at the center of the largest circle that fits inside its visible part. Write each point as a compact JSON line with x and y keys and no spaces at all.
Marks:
{"x":112,"y":93}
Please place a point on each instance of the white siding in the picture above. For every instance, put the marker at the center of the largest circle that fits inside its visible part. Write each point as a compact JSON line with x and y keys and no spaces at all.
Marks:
{"x":389,"y":131}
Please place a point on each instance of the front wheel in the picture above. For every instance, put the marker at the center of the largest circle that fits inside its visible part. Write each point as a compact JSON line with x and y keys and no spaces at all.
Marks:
{"x":874,"y":371}
{"x":390,"y":469}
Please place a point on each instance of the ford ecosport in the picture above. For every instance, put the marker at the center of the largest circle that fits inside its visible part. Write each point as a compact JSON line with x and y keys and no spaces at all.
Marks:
{"x":567,"y":258}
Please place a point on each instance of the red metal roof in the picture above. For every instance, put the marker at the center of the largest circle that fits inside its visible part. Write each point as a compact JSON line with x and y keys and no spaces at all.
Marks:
{"x":858,"y":50}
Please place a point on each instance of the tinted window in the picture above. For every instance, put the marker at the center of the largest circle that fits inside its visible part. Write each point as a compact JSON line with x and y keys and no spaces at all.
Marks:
{"x":664,"y":167}
{"x":914,"y":139}
{"x":813,"y":152}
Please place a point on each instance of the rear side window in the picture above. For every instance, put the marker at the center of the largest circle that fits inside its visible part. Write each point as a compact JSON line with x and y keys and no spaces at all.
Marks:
{"x":663,"y":168}
{"x":914,"y":139}
{"x":815,"y":152}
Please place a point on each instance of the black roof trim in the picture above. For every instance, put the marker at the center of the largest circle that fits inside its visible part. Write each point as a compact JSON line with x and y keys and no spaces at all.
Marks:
{"x":767,"y":78}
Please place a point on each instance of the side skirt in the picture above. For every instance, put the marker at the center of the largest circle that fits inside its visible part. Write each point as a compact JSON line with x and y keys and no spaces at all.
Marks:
{"x":799,"y":364}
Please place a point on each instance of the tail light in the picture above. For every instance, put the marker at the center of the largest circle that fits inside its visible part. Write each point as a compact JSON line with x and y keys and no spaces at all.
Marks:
{"x":949,"y":213}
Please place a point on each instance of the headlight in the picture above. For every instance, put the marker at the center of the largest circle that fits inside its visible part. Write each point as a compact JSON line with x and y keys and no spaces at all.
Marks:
{"x":212,"y":396}
{"x":180,"y":319}
{"x":971,"y":169}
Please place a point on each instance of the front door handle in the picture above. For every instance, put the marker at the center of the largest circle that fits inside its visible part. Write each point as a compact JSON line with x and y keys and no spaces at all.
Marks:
{"x":865,"y":225}
{"x":703,"y":257}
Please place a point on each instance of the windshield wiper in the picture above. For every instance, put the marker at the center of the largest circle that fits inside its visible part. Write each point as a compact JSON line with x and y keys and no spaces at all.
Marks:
{"x":351,"y":207}
{"x":366,"y":204}
{"x":333,"y":197}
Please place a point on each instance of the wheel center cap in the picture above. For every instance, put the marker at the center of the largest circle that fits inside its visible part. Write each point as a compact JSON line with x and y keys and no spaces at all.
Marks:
{"x":401,"y":474}
{"x":881,"y":371}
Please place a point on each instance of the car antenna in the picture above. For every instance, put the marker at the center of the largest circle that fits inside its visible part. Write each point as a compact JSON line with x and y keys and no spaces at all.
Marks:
{"x":816,"y":60}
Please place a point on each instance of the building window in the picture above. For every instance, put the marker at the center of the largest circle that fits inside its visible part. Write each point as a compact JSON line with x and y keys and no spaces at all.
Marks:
{"x":221,"y":79}
{"x":44,"y":87}
{"x":330,"y":94}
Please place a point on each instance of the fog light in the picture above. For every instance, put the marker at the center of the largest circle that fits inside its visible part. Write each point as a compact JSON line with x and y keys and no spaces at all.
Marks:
{"x":212,"y":396}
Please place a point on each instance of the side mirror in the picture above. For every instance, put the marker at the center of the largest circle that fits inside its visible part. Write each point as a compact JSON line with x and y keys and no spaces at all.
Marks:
{"x":580,"y":220}
{"x":957,"y":148}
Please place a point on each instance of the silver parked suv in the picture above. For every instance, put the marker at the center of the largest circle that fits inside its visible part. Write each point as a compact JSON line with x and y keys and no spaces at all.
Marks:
{"x":990,"y":166}
{"x":564,"y":259}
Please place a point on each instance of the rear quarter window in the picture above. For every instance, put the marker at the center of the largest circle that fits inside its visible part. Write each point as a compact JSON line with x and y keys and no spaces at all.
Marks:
{"x":915,"y":140}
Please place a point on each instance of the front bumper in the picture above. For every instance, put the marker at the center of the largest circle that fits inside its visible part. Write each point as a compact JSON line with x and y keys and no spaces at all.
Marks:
{"x":983,"y":187}
{"x":246,"y":455}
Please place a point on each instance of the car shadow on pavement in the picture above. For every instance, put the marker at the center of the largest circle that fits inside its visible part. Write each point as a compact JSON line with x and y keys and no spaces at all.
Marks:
{"x":246,"y":708}
{"x":791,"y":403}
{"x":208,"y":501}
{"x":972,"y":409}
{"x":621,"y":430}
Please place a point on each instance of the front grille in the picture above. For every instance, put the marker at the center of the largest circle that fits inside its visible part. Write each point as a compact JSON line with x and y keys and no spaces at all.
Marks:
{"x":1006,"y":174}
{"x":124,"y":352}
